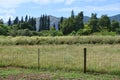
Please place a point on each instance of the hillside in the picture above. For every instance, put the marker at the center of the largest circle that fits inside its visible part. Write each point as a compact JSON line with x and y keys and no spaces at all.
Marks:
{"x":116,"y":17}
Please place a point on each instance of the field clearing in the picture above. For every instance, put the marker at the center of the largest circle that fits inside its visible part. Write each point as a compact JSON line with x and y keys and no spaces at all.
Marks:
{"x":100,"y":58}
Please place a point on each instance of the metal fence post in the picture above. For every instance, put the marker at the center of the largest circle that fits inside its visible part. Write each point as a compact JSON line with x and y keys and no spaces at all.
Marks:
{"x":85,"y":50}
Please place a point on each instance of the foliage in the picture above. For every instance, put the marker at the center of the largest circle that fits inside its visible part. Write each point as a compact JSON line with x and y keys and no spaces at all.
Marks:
{"x":79,"y":24}
{"x":104,"y":23}
{"x":86,"y":31}
{"x":26,"y":25}
{"x":108,"y":33}
{"x":118,"y":30}
{"x":50,"y":33}
{"x":16,"y":21}
{"x":72,"y":23}
{"x":58,"y":40}
{"x":73,"y":33}
{"x":68,"y":26}
{"x":3,"y":29}
{"x":1,"y":21}
{"x":52,"y":28}
{"x":56,"y":33}
{"x":93,"y":23}
{"x":114,"y":25}
{"x":24,"y":32}
{"x":44,"y":22}
{"x":9,"y":22}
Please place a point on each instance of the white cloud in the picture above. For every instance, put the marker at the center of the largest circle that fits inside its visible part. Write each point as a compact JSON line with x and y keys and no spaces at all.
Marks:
{"x":12,"y":3}
{"x":93,"y":0}
{"x":8,"y":7}
{"x":68,"y":2}
{"x":16,"y":3}
{"x":8,"y":11}
{"x":6,"y":17}
{"x":110,"y":7}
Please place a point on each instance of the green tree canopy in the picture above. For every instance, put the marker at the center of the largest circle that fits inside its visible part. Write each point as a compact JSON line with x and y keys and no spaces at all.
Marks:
{"x":115,"y":25}
{"x":93,"y":22}
{"x":16,"y":21}
{"x":104,"y":23}
{"x":9,"y":22}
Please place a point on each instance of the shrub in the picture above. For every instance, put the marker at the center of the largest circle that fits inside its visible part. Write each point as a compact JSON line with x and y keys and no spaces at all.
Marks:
{"x":118,"y":30}
{"x":56,"y":33}
{"x":73,"y":33}
{"x":108,"y":33}
{"x":24,"y":32}
{"x":22,"y":40}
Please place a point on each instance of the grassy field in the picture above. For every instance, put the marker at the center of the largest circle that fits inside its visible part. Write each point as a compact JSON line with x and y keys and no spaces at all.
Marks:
{"x":32,"y":74}
{"x":36,"y":40}
{"x":100,"y":58}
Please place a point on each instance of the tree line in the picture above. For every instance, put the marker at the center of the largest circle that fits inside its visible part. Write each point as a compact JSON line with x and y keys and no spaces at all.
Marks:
{"x":74,"y":25}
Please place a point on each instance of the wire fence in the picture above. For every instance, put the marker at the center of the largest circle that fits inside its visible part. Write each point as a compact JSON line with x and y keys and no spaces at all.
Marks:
{"x":82,"y":60}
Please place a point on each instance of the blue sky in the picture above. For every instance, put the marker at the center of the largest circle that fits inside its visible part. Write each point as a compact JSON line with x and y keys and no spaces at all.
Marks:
{"x":58,"y":8}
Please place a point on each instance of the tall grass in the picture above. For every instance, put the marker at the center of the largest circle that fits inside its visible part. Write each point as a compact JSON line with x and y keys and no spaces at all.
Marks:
{"x":36,"y":40}
{"x":100,"y":58}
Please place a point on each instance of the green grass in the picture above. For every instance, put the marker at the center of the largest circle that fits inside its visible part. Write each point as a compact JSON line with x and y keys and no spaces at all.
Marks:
{"x":100,"y":58}
{"x":36,"y":40}
{"x":24,"y":74}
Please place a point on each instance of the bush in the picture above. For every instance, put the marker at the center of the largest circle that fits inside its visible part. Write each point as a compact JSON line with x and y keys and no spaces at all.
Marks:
{"x":44,"y":33}
{"x":86,"y":31}
{"x":24,"y":32}
{"x":118,"y":30}
{"x":22,"y":40}
{"x":56,"y":33}
{"x":73,"y":33}
{"x":108,"y":33}
{"x":3,"y":30}
{"x":50,"y":33}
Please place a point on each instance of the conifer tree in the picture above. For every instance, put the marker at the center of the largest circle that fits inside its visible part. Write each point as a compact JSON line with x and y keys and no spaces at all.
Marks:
{"x":9,"y":22}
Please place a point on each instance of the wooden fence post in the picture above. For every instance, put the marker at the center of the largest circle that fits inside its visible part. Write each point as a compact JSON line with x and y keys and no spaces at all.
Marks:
{"x":85,"y":50}
{"x":38,"y":58}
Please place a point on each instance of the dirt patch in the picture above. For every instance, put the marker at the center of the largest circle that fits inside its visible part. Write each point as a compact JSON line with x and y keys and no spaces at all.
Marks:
{"x":35,"y":77}
{"x":29,"y":77}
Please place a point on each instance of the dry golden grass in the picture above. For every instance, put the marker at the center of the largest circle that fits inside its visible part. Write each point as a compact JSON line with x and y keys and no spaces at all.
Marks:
{"x":100,"y":58}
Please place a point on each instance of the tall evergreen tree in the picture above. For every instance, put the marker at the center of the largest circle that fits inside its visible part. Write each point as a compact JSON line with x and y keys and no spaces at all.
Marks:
{"x":22,"y":19}
{"x":45,"y":22}
{"x":26,"y":18}
{"x":32,"y":22}
{"x":54,"y":26}
{"x":114,"y":25}
{"x":1,"y":21}
{"x":48,"y":23}
{"x":40,"y":23}
{"x":79,"y":21}
{"x":9,"y":22}
{"x":16,"y":21}
{"x":72,"y":14}
{"x":93,"y":22}
{"x":61,"y":20}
